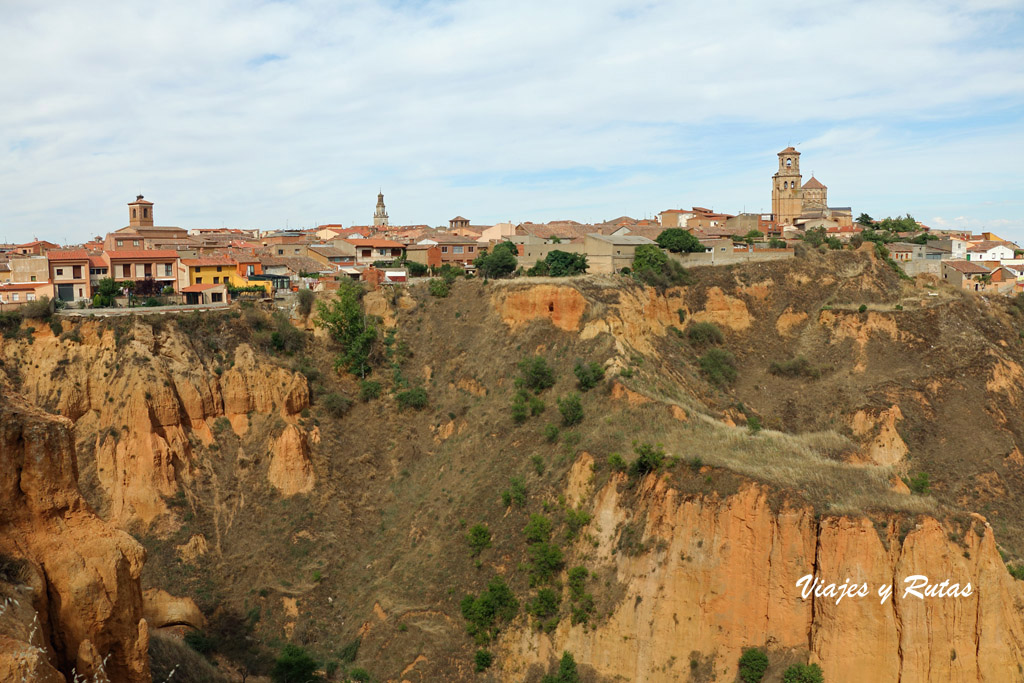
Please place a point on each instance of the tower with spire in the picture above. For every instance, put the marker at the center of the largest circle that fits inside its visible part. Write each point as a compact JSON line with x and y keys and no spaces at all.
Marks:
{"x":380,"y":215}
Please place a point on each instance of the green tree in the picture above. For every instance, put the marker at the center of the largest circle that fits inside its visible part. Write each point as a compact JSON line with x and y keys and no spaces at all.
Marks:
{"x":649,"y":459}
{"x":678,"y":240}
{"x":651,"y":266}
{"x":753,"y":236}
{"x":294,"y":665}
{"x":535,"y":374}
{"x":487,"y":611}
{"x":803,"y":673}
{"x":719,"y":366}
{"x":865,"y":220}
{"x":501,"y":261}
{"x":563,"y":264}
{"x":479,"y":538}
{"x":350,"y":327}
{"x":571,"y":409}
{"x":537,"y":529}
{"x":753,"y":664}
{"x":588,"y":375}
{"x":104,"y":293}
{"x":566,"y":672}
{"x":306,"y":299}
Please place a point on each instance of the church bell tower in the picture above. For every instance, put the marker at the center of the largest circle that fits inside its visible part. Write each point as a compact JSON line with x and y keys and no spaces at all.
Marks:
{"x":787,"y":190}
{"x":380,"y":215}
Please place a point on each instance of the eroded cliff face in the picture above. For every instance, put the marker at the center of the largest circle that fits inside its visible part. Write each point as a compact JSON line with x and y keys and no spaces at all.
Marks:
{"x":79,"y":603}
{"x":144,"y":399}
{"x":719,"y":575}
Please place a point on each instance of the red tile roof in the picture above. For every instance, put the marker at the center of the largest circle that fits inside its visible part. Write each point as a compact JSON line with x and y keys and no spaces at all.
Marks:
{"x":68,"y":255}
{"x":814,"y":184}
{"x":199,"y":288}
{"x":375,"y":243}
{"x":967,"y":267}
{"x":197,"y":262}
{"x":141,"y":254}
{"x":97,"y":261}
{"x":18,"y":286}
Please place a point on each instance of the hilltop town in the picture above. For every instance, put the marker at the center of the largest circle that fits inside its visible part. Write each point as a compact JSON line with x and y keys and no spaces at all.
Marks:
{"x":152,"y":265}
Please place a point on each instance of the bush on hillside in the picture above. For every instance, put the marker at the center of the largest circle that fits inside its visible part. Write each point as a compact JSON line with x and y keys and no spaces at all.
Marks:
{"x":479,"y":538}
{"x":719,"y":366}
{"x":439,"y":288}
{"x":803,"y":673}
{"x":294,"y":665}
{"x":588,"y":375}
{"x":648,"y":459}
{"x":412,"y":398}
{"x":336,"y":404}
{"x":571,"y":409}
{"x":795,"y":367}
{"x":753,"y":664}
{"x":566,"y":672}
{"x":705,"y":334}
{"x":486,"y":612}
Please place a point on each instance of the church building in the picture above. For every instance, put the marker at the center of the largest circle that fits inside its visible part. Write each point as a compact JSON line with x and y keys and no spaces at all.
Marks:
{"x":803,"y":204}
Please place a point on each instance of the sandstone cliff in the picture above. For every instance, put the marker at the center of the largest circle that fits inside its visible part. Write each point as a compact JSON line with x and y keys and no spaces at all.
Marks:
{"x":719,"y":575}
{"x":141,"y":399}
{"x":86,"y":600}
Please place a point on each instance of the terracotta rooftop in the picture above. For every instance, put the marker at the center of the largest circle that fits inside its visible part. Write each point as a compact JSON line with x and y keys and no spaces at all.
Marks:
{"x":199,"y":288}
{"x":967,"y":267}
{"x":67,"y":255}
{"x":814,"y":184}
{"x":199,"y":262}
{"x":140,"y":254}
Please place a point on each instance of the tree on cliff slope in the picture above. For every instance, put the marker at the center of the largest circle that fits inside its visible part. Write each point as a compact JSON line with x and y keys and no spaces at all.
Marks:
{"x":350,"y":327}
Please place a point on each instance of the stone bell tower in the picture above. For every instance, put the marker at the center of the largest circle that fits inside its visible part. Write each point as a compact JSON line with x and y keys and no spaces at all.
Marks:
{"x":380,"y":216}
{"x":787,"y":190}
{"x":140,"y":213}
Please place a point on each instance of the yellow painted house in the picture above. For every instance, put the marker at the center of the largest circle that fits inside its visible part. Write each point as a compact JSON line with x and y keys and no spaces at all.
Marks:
{"x":204,"y":271}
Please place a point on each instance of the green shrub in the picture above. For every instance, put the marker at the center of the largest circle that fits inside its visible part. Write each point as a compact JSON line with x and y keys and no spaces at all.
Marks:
{"x":520,"y":408}
{"x":566,"y":672}
{"x":439,"y":288}
{"x":538,"y":528}
{"x":368,"y":390}
{"x":803,"y":673}
{"x":485,"y":613}
{"x":753,"y":664}
{"x":616,"y":462}
{"x":705,"y":334}
{"x":294,"y":665}
{"x":359,"y":675}
{"x":652,"y":267}
{"x":626,"y":372}
{"x":577,"y":580}
{"x":306,"y":299}
{"x":1016,"y":571}
{"x":551,"y":433}
{"x":10,"y":324}
{"x":545,"y":560}
{"x":795,"y":367}
{"x":919,"y":484}
{"x":479,"y":538}
{"x":200,"y":642}
{"x":56,"y":328}
{"x":863,"y":307}
{"x":350,"y":651}
{"x":336,"y":405}
{"x":483,"y":660}
{"x":719,"y":366}
{"x":588,"y":375}
{"x":575,"y":520}
{"x":40,"y":309}
{"x":545,"y":605}
{"x":535,"y":374}
{"x":412,"y":398}
{"x":347,"y":324}
{"x":649,"y":458}
{"x":571,"y":409}
{"x":754,"y":424}
{"x":416,"y":269}
{"x":515,"y":494}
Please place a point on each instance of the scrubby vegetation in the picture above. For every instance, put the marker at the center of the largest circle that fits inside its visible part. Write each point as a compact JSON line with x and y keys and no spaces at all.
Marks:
{"x":719,"y":366}
{"x":798,"y":366}
{"x":705,"y":334}
{"x":588,"y":375}
{"x":487,"y":612}
{"x":753,"y":664}
{"x":803,"y":673}
{"x":652,"y":267}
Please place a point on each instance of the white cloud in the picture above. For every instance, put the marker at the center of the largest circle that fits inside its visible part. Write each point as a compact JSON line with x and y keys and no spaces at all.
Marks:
{"x":257,"y":113}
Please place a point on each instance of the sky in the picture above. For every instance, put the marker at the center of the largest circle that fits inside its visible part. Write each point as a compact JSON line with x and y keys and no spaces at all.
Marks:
{"x":273,"y":114}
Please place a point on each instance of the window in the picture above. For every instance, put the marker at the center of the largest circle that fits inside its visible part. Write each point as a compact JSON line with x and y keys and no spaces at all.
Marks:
{"x":33,"y":278}
{"x":60,"y":271}
{"x":199,"y":280}
{"x":382,"y":252}
{"x":280,"y":252}
{"x":30,"y":297}
{"x":14,"y":297}
{"x":456,"y":250}
{"x":145,"y":213}
{"x":444,"y":250}
{"x":789,"y":162}
{"x":216,"y":297}
{"x":135,"y":243}
{"x":216,"y":280}
{"x":472,"y":249}
{"x":133,"y":216}
{"x":167,"y":270}
{"x":126,"y":270}
{"x":250,"y":270}
{"x":120,"y":243}
{"x":76,"y":272}
{"x":219,"y":268}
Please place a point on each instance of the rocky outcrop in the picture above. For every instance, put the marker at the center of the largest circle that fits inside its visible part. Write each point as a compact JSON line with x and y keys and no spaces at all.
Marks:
{"x":884,"y":445}
{"x":563,"y":306}
{"x":88,"y":603}
{"x":291,"y":471}
{"x":717,"y":575}
{"x":143,"y":398}
{"x":161,"y":610}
